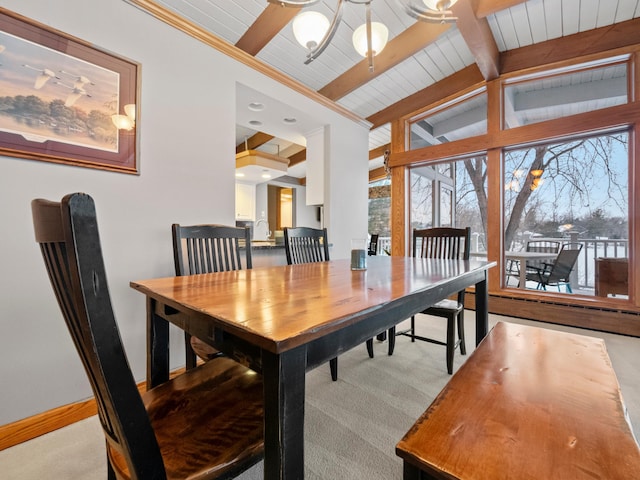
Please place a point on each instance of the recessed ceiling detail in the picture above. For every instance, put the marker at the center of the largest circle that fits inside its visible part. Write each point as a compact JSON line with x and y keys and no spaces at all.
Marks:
{"x":256,"y":166}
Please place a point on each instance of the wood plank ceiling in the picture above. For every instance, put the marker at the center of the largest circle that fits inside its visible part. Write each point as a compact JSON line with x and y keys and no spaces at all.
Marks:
{"x":422,"y":61}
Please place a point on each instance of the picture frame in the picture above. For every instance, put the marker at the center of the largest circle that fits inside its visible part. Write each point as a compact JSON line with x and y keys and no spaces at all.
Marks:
{"x":64,"y":100}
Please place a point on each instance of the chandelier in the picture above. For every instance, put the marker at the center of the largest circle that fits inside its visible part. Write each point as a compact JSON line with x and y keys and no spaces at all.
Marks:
{"x":314,"y":31}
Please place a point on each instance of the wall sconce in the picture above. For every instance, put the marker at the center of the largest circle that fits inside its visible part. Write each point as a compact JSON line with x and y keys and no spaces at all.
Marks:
{"x":127,"y":121}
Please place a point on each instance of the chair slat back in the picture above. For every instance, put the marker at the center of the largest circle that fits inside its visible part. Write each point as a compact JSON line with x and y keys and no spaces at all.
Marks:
{"x":564,"y":263}
{"x":306,"y":245}
{"x":210,"y":248}
{"x":373,"y":244}
{"x":70,"y":243}
{"x":541,"y":246}
{"x":442,"y":242}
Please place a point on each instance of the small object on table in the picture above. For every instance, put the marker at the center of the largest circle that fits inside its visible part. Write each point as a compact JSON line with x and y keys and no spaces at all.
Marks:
{"x":358,"y":254}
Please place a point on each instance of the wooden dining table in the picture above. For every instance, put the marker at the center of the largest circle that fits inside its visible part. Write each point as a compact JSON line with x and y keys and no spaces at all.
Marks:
{"x":283,"y":321}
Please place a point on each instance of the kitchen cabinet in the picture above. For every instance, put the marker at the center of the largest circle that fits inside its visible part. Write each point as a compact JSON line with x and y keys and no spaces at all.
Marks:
{"x":245,"y":201}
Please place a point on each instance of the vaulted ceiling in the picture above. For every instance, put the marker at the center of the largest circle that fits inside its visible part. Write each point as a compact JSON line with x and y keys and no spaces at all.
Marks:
{"x":422,"y":62}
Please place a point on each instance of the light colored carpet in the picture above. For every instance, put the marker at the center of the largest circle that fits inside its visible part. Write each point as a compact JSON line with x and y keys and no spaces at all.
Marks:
{"x":352,"y":425}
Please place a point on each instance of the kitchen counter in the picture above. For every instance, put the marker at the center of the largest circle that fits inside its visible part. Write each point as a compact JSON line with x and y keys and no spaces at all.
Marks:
{"x":265,"y":245}
{"x":265,"y":253}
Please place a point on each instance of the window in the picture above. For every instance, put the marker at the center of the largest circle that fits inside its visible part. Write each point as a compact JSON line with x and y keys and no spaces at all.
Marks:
{"x":451,"y":194}
{"x":380,"y":213}
{"x":576,"y":191}
{"x":557,"y":95}
{"x":466,"y":118}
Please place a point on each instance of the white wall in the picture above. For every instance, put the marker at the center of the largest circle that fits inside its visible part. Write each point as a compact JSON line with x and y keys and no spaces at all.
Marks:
{"x":187,"y":161}
{"x":345,"y":216}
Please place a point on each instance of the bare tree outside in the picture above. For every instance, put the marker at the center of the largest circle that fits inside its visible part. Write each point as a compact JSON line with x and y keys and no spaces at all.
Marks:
{"x":579,"y":185}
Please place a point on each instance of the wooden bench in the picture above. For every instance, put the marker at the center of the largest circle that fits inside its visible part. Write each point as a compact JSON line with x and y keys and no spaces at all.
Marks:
{"x":529,"y":403}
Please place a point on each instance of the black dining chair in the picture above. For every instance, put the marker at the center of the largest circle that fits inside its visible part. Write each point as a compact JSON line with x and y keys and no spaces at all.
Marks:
{"x":206,"y":423}
{"x":308,"y":245}
{"x":444,"y":243}
{"x":373,"y":245}
{"x":208,"y":249}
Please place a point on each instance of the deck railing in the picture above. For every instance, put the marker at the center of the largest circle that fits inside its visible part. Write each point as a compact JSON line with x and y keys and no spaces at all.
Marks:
{"x":584,"y":274}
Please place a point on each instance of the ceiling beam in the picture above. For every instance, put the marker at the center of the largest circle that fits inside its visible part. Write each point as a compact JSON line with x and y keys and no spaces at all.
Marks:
{"x":484,"y":8}
{"x":379,"y":152}
{"x":254,"y":142}
{"x":272,"y":19}
{"x":613,"y":89}
{"x":464,"y":120}
{"x":403,"y":46}
{"x":574,"y":46}
{"x":301,"y":156}
{"x":425,"y":132}
{"x":377,"y":174}
{"x":479,"y":38}
{"x":466,"y":78}
{"x":297,"y":158}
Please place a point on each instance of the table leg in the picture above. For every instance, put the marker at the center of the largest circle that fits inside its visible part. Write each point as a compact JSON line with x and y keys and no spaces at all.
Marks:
{"x":482,"y":310}
{"x":410,"y":472}
{"x":284,"y":388}
{"x":157,"y":347}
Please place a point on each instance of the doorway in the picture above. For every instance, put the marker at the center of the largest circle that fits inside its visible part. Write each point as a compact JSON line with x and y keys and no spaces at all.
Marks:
{"x":281,"y":201}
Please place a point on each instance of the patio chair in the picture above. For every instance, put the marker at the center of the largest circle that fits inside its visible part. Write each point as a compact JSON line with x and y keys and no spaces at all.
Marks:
{"x":559,"y":272}
{"x":541,"y":246}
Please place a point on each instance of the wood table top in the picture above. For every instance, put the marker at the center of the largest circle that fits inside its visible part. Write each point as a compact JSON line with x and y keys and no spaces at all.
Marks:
{"x":529,"y":403}
{"x":293,"y":304}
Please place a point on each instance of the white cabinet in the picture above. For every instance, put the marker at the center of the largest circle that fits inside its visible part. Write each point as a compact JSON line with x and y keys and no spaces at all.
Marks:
{"x":245,"y":201}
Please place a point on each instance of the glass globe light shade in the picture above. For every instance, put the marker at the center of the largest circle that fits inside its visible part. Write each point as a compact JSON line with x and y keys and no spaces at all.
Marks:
{"x":439,"y":5}
{"x":309,"y":28}
{"x":379,"y":37}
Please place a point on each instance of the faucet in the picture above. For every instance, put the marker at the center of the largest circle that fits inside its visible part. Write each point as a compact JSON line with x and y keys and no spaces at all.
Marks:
{"x":266,"y":225}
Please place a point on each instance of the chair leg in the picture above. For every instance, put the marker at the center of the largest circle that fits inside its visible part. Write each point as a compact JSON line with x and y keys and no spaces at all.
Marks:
{"x":463,"y":344}
{"x":333,"y":365}
{"x":190,"y":360}
{"x":370,"y":347}
{"x":392,"y":340}
{"x":451,"y":341}
{"x":413,"y":328}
